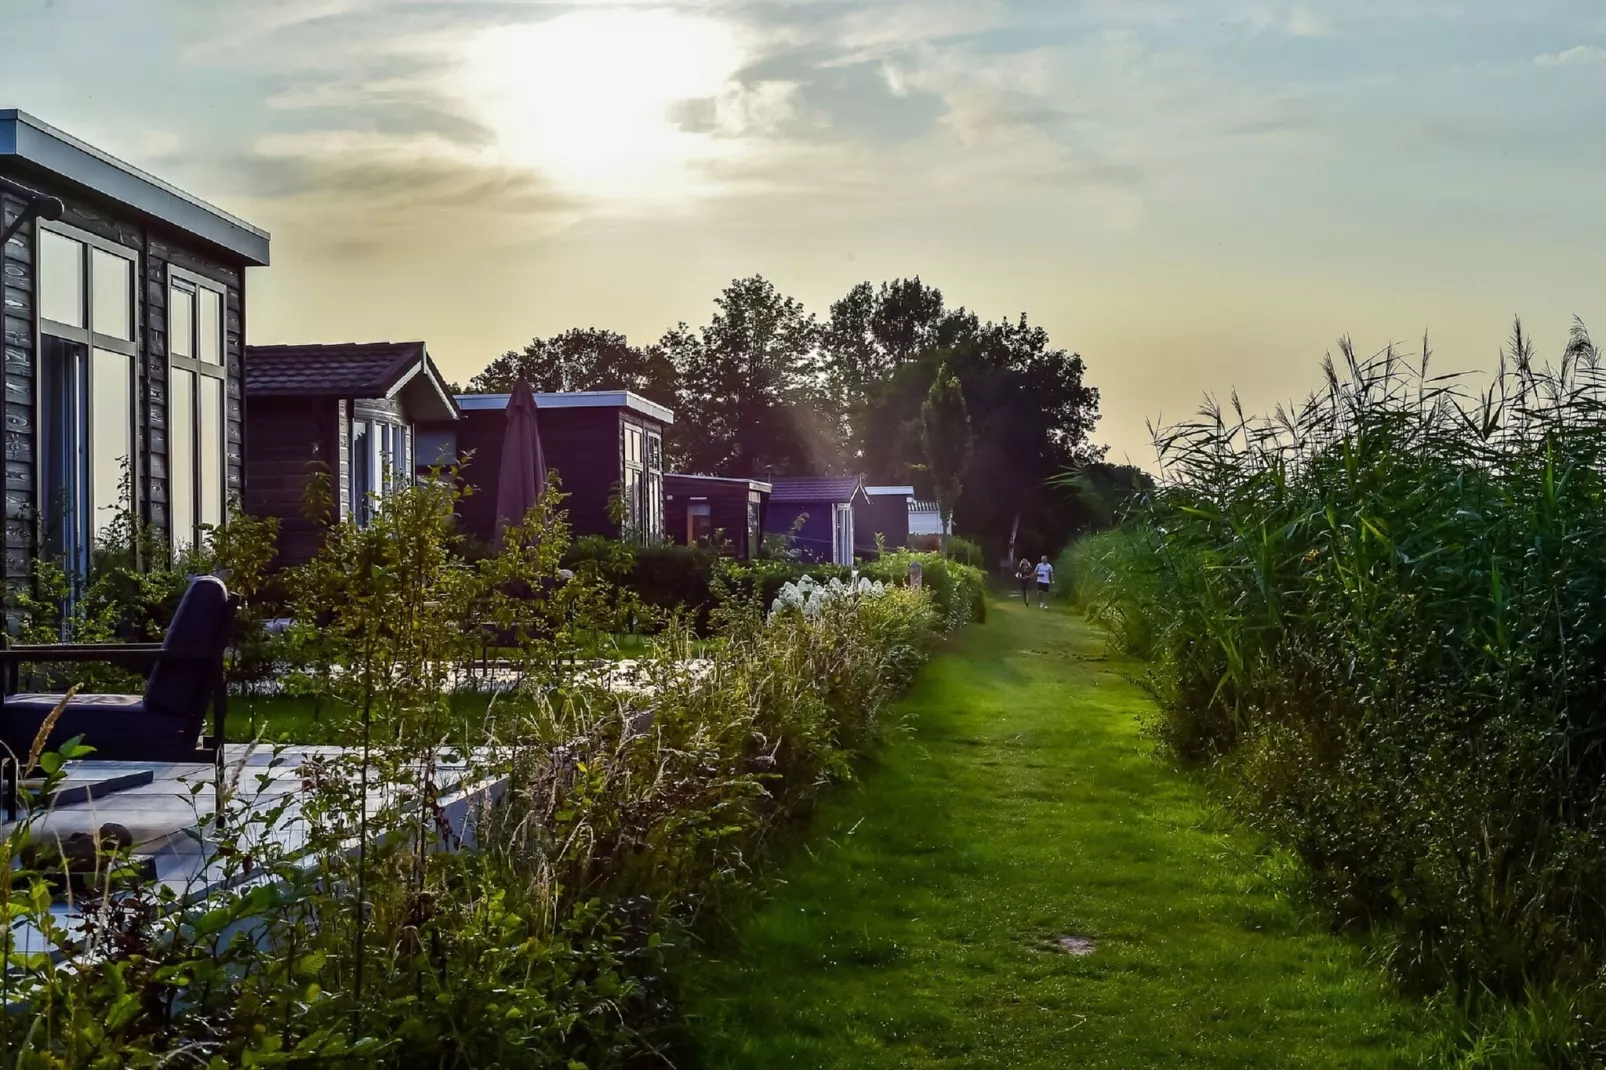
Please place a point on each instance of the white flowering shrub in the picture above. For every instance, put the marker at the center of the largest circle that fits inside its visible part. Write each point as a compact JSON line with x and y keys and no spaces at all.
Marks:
{"x":810,"y":597}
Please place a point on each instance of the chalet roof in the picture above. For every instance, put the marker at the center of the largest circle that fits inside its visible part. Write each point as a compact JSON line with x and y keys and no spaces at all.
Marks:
{"x":788,"y":489}
{"x":889,"y":492}
{"x":575,"y":399}
{"x":351,"y":370}
{"x":42,"y":147}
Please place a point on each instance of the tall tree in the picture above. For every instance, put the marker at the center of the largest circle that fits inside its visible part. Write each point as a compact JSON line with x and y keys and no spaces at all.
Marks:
{"x":583,"y":358}
{"x":945,"y":426}
{"x":871,"y":334}
{"x":1031,"y":413}
{"x":751,"y":388}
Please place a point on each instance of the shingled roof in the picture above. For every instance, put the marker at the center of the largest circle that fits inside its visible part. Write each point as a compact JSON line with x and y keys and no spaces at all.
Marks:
{"x":802,"y":489}
{"x":350,"y":370}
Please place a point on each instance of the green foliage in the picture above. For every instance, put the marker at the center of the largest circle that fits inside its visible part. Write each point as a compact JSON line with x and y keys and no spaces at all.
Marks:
{"x":946,"y":438}
{"x":582,"y":359}
{"x":360,"y":928}
{"x":763,"y":388}
{"x":966,"y":551}
{"x":749,"y":388}
{"x":1381,"y":617}
{"x":1023,"y":805}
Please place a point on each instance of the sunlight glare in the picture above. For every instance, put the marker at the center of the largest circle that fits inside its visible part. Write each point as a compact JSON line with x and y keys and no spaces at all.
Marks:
{"x":587,"y":98}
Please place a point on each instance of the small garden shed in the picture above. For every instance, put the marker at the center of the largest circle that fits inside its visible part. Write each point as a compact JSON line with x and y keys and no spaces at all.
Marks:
{"x":698,"y":508}
{"x":822,"y":508}
{"x":354,"y":407}
{"x":886,"y":516}
{"x":605,"y":445}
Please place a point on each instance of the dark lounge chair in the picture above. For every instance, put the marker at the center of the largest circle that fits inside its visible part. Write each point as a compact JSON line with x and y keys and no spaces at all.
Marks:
{"x":162,"y":725}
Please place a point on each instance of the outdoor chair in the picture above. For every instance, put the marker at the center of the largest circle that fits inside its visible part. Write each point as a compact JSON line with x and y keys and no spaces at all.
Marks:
{"x":165,"y":724}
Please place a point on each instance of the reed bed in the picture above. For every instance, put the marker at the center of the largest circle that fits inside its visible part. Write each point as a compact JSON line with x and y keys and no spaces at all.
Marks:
{"x":1380,"y":617}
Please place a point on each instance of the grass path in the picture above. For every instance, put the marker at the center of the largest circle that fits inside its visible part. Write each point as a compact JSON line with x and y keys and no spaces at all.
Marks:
{"x":1026,"y":805}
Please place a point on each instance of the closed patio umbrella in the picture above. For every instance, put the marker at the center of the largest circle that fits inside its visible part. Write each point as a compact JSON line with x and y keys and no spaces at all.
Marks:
{"x":523,"y":475}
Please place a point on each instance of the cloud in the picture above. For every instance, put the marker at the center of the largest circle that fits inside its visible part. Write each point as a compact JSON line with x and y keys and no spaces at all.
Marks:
{"x":1578,"y":56}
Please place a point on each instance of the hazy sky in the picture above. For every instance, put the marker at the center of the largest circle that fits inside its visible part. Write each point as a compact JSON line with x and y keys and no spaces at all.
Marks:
{"x":1195,"y":194}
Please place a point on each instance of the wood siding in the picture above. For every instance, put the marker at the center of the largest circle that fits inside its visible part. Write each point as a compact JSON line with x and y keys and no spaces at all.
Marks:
{"x":21,"y":351}
{"x":581,"y":444}
{"x":287,"y":436}
{"x":155,"y":248}
{"x":886,"y":515}
{"x":727,"y":508}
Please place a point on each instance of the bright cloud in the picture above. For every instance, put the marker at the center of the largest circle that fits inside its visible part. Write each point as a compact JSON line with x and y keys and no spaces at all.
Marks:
{"x":1578,"y":56}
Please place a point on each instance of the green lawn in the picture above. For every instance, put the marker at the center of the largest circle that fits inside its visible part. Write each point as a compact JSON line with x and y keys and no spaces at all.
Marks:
{"x":916,"y":929}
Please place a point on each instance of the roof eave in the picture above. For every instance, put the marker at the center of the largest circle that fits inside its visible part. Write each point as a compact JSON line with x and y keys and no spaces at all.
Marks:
{"x":43,"y":147}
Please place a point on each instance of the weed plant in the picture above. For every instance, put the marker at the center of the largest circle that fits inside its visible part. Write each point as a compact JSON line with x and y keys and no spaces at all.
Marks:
{"x":377,"y":922}
{"x":1381,"y":616}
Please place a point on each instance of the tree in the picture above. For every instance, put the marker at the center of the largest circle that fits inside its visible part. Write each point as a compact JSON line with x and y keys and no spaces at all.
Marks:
{"x":1031,"y":414}
{"x":872,"y":334}
{"x":583,"y":358}
{"x":752,"y":399}
{"x":945,"y":423}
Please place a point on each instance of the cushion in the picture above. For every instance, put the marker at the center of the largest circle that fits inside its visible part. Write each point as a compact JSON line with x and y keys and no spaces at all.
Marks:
{"x":117,"y":726}
{"x":183,"y":688}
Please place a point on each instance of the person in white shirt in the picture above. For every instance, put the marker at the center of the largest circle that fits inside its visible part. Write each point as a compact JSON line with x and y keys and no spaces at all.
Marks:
{"x":1045,"y":580}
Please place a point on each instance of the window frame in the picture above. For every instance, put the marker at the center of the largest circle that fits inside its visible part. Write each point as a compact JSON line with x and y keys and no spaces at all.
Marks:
{"x":386,"y":432}
{"x":182,"y":280}
{"x":87,"y":340}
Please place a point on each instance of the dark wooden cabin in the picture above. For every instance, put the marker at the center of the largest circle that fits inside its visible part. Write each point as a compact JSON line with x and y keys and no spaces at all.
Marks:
{"x":886,"y":515}
{"x":605,"y":445}
{"x":827,"y":506}
{"x":124,"y":320}
{"x":353,"y":407}
{"x":716,"y":511}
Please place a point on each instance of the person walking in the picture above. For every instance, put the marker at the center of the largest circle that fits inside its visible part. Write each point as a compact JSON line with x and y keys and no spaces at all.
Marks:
{"x":1045,"y":580}
{"x":1023,"y":576}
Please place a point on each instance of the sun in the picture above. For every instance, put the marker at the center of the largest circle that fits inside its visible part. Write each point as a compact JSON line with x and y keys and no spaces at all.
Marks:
{"x":588,"y":98}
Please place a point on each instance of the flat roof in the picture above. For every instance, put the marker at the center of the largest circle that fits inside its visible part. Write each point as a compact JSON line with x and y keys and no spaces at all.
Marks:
{"x":907,"y":492}
{"x":574,"y":399}
{"x":752,"y":484}
{"x":25,"y":138}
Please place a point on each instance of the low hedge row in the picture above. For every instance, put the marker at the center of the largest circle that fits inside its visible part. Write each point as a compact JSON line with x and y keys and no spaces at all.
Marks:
{"x":692,"y":580}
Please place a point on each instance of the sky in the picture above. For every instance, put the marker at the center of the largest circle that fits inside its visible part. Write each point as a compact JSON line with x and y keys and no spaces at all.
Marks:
{"x":1199,"y":196}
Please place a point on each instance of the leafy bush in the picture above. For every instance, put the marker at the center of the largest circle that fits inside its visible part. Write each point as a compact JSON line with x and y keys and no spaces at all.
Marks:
{"x":965,"y":551}
{"x":1383,"y":617}
{"x":534,"y":934}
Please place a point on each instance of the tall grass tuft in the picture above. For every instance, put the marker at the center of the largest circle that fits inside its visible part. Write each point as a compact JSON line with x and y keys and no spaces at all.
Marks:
{"x":1382,"y":615}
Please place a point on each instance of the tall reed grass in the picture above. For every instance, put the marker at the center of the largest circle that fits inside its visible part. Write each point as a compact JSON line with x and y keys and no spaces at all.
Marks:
{"x":1382,"y":617}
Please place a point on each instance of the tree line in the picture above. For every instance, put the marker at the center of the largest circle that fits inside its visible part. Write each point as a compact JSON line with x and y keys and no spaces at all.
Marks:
{"x":767,"y":388}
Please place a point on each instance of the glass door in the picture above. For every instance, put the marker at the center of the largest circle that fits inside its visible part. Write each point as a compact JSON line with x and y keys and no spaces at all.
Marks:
{"x":842,"y":534}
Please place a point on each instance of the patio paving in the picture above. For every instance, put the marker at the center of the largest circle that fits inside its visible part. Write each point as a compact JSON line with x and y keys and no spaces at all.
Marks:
{"x":169,"y":807}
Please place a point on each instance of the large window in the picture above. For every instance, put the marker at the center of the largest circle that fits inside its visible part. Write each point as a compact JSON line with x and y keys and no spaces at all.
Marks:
{"x":197,"y":477}
{"x":380,"y":462}
{"x":643,"y":485}
{"x":87,"y":306}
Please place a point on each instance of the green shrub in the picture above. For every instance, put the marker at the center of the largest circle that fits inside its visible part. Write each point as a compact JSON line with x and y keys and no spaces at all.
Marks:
{"x":1382,"y":617}
{"x":966,"y":552}
{"x":626,"y":816}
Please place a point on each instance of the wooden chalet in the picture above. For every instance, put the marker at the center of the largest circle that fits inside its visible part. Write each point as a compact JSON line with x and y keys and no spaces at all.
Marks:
{"x":717,"y":511}
{"x":124,"y":317}
{"x":826,"y":507}
{"x":886,"y":516}
{"x":351,"y":407}
{"x":606,"y":446}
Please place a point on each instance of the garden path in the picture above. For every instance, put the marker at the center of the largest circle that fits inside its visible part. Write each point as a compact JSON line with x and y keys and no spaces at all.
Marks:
{"x":1023,"y":882}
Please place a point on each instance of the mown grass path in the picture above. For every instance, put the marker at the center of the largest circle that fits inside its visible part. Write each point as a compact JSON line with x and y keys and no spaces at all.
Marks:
{"x":916,"y":928}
